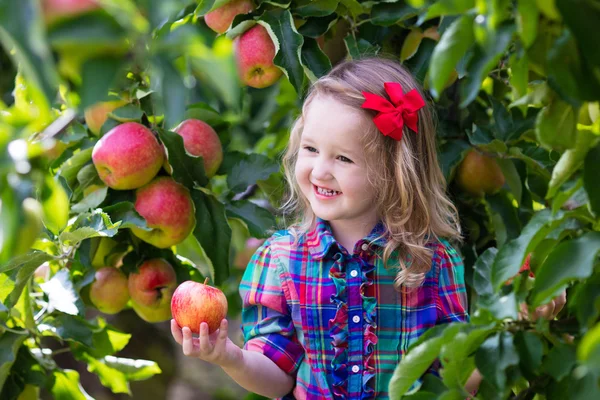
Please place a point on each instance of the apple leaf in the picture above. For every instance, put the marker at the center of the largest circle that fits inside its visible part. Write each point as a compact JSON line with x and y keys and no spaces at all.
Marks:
{"x":316,"y":8}
{"x":110,"y":377}
{"x":70,"y":168}
{"x":317,"y":26}
{"x":15,"y":275}
{"x":187,"y":169}
{"x":191,"y":249}
{"x":127,"y":113}
{"x":9,"y":346}
{"x":67,"y":386}
{"x":494,"y":356}
{"x":68,"y":327}
{"x":213,"y":232}
{"x":21,"y":30}
{"x":89,"y":225}
{"x":288,"y":43}
{"x":570,"y":260}
{"x":258,"y":220}
{"x":315,"y":60}
{"x":125,"y":213}
{"x":98,"y":74}
{"x":246,"y":169}
{"x":388,"y":14}
{"x":107,"y":341}
{"x":167,"y":81}
{"x":134,"y":370}
{"x":55,"y":204}
{"x":91,"y":201}
{"x":62,"y":295}
{"x":590,"y":179}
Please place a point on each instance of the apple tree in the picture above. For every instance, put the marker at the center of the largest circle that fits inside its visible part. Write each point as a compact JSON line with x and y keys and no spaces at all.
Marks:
{"x":213,"y":87}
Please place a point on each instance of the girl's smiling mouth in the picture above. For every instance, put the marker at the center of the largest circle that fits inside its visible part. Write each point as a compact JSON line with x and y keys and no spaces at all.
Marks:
{"x":321,"y":192}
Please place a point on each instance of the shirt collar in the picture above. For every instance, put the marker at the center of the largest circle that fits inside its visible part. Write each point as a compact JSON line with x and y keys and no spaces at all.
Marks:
{"x":320,"y":239}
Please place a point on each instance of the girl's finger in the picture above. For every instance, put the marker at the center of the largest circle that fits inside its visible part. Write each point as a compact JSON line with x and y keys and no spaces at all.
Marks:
{"x":204,"y":340}
{"x":222,"y":336}
{"x":559,"y":302}
{"x":188,"y":343}
{"x":176,"y":332}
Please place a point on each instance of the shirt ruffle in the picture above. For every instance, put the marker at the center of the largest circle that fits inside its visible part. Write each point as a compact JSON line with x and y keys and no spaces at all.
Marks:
{"x":338,"y":330}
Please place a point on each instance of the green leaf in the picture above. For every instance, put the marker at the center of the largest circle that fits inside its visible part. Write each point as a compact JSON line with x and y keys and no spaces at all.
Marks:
{"x":451,"y":154}
{"x":68,"y":327}
{"x":9,"y":346}
{"x":531,"y":351}
{"x":62,"y":295}
{"x":249,"y":169}
{"x":505,"y":216}
{"x":55,"y":204}
{"x":452,"y":46}
{"x":582,"y":16}
{"x":127,"y":113}
{"x":315,"y":60}
{"x":482,"y":272}
{"x":191,"y":250}
{"x":107,"y":341}
{"x":353,"y":6}
{"x":125,"y":213}
{"x":167,"y":81}
{"x":446,"y":7}
{"x":21,"y":29}
{"x":187,"y":169}
{"x":87,"y":176}
{"x":494,"y":356}
{"x":134,"y":370}
{"x":510,"y":257}
{"x":213,"y":232}
{"x":590,"y":179}
{"x":17,"y":273}
{"x":482,"y":62}
{"x":556,"y":125}
{"x":258,"y":220}
{"x":288,"y":43}
{"x":559,"y":361}
{"x":359,"y":48}
{"x":70,"y":168}
{"x":98,"y":75}
{"x":89,"y":225}
{"x":570,"y":260}
{"x":67,"y":386}
{"x":91,"y":201}
{"x":527,"y":21}
{"x":570,"y":161}
{"x":112,"y":378}
{"x":316,"y":8}
{"x":512,"y":177}
{"x":588,"y":351}
{"x":317,"y":26}
{"x":390,"y":13}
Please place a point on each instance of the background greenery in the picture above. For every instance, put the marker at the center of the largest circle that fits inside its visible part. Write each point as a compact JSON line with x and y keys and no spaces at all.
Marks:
{"x":517,"y":80}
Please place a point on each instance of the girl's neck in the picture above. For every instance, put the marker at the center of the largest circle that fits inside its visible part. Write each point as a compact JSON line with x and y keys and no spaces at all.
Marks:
{"x":347,"y":233}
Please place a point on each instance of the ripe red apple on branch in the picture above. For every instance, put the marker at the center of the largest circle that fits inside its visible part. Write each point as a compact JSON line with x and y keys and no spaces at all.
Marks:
{"x":194,"y":303}
{"x":169,"y":211}
{"x":201,"y":140}
{"x":151,"y":289}
{"x":128,"y":156}
{"x":220,"y":19}
{"x":254,"y":53}
{"x":109,"y":291}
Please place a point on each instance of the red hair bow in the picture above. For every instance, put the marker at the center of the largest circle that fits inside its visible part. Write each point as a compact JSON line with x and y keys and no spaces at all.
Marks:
{"x":392,"y":116}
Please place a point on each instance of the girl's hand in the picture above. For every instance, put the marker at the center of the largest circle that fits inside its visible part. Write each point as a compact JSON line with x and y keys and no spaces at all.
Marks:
{"x":215,"y":348}
{"x":548,"y":311}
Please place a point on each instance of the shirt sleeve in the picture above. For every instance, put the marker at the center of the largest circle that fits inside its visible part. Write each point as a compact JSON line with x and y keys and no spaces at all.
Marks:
{"x":452,"y":293}
{"x":266,"y":321}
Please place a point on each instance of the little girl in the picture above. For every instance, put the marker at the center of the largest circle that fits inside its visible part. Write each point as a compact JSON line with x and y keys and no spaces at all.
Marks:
{"x":331,"y":304}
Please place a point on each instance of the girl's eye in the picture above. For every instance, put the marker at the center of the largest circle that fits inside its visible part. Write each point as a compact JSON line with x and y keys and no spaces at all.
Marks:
{"x":310,"y":149}
{"x":345,"y":159}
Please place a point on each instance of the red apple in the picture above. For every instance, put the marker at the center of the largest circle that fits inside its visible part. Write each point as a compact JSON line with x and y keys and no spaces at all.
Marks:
{"x":195,"y":302}
{"x":220,"y":19}
{"x":254,"y":53}
{"x":151,"y":289}
{"x":109,"y":291}
{"x":55,"y":10}
{"x":200,"y":139}
{"x":168,"y":209}
{"x":128,"y":156}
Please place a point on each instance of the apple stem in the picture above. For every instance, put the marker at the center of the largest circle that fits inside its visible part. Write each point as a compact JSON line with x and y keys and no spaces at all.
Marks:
{"x":206,"y":280}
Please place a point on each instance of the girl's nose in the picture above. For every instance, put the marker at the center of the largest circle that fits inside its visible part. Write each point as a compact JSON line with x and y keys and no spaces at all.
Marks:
{"x":321,"y":170}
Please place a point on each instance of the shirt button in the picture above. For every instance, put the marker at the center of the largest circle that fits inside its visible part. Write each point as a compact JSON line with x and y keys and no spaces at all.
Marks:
{"x":353,"y":273}
{"x":356,"y":319}
{"x":355,"y":369}
{"x":364,"y":247}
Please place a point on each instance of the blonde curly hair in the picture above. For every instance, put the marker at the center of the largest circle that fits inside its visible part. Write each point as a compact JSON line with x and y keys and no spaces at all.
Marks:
{"x":410,"y":188}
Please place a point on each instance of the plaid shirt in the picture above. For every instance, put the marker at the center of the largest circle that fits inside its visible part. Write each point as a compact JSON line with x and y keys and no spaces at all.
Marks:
{"x":333,"y":320}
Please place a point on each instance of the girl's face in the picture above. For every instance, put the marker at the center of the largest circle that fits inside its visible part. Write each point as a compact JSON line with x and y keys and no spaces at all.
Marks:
{"x":331,"y":169}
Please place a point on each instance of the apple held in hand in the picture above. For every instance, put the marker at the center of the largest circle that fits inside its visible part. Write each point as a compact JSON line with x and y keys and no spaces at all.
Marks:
{"x":254,"y":53}
{"x":220,"y":19}
{"x":194,"y":303}
{"x":201,"y":140}
{"x":151,"y":289}
{"x":128,"y":156}
{"x":109,"y":291}
{"x":168,"y":209}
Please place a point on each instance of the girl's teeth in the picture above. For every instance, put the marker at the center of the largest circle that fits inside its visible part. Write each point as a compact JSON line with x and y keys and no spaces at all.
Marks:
{"x":326,"y":192}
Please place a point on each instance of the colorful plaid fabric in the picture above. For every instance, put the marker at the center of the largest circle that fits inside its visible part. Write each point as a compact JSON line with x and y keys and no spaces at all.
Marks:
{"x":333,"y":319}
